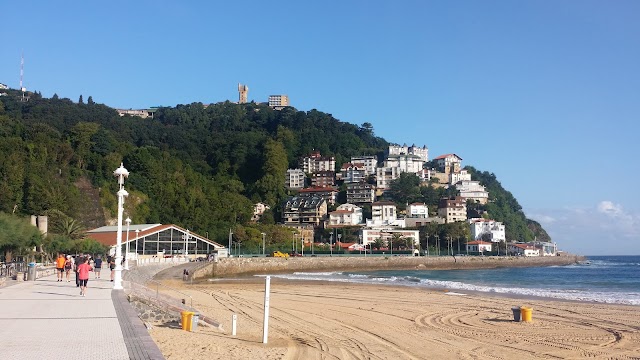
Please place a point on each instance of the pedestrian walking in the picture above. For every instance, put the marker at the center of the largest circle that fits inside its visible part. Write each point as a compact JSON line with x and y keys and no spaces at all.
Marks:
{"x":79,"y":261}
{"x":83,"y":276}
{"x":112,"y":267}
{"x":60,"y":266}
{"x":97,"y":266}
{"x":68,"y":265}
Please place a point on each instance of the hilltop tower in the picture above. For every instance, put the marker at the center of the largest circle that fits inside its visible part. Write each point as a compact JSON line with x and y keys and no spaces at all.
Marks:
{"x":243,"y":91}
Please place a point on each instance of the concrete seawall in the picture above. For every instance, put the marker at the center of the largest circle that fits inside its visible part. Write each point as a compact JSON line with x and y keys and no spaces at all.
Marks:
{"x":249,"y":266}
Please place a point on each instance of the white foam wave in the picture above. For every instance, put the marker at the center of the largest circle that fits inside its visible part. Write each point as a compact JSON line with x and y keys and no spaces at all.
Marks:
{"x":330,"y":273}
{"x":564,"y":294}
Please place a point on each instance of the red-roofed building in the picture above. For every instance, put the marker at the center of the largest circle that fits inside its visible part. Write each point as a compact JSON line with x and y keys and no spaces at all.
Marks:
{"x":479,"y":246}
{"x":523,"y":250}
{"x":449,"y":163}
{"x":345,"y":215}
{"x":153,"y":240}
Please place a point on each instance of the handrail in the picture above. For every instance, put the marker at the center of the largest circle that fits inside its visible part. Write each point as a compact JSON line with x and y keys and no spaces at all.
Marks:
{"x":158,"y":284}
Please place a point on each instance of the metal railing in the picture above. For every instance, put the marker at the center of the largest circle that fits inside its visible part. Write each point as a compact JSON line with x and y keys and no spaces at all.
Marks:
{"x":12,"y":268}
{"x":159,"y":284}
{"x":140,"y":283}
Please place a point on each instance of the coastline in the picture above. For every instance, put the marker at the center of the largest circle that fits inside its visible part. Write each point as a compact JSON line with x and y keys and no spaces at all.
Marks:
{"x":228,"y":267}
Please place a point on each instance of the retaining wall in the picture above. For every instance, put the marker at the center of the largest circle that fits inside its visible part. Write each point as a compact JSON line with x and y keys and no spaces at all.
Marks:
{"x":247,"y":266}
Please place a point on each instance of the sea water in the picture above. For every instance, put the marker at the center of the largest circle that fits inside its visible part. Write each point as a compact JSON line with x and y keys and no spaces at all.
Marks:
{"x":605,"y":279}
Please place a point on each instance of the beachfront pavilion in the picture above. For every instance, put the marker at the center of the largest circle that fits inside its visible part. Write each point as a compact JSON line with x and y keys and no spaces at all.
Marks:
{"x":157,"y":240}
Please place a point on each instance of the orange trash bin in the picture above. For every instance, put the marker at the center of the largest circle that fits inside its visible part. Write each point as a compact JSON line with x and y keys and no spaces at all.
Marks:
{"x":527,"y":313}
{"x":186,"y":317}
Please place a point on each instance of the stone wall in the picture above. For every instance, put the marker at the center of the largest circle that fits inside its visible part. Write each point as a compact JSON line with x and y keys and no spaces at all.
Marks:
{"x":248,"y":266}
{"x":153,"y":312}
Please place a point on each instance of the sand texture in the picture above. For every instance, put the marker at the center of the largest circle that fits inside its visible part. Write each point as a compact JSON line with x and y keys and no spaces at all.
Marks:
{"x":320,"y":320}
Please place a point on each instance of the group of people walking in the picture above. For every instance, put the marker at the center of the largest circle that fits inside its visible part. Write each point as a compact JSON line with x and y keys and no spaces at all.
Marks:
{"x":82,"y":265}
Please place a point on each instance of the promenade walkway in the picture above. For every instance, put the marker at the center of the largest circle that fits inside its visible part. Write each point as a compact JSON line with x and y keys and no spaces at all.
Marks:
{"x":46,"y":319}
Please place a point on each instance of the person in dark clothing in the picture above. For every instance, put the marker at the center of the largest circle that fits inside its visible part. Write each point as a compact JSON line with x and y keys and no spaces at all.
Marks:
{"x":97,"y":266}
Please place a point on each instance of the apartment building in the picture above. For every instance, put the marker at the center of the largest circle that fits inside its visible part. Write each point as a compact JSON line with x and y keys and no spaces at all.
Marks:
{"x":453,"y":209}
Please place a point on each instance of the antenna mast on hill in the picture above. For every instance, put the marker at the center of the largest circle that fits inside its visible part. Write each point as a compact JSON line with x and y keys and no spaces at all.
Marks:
{"x":22,"y":88}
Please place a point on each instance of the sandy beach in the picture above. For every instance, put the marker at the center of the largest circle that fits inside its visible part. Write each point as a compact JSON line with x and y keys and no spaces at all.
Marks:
{"x":321,"y":320}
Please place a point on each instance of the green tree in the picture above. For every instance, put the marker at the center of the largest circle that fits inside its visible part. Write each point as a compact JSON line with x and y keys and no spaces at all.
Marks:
{"x":271,"y":185}
{"x":17,"y":236}
{"x":81,"y":135}
{"x":405,"y":189}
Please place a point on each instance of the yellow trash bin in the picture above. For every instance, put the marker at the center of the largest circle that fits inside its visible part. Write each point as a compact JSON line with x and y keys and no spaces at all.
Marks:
{"x":187,"y":317}
{"x":526,"y":313}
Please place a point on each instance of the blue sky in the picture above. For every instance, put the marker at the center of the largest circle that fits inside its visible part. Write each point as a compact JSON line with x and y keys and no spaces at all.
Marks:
{"x":545,"y":94}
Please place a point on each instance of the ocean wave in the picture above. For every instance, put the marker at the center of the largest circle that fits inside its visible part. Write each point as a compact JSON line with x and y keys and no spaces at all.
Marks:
{"x":563,"y":294}
{"x":330,"y":273}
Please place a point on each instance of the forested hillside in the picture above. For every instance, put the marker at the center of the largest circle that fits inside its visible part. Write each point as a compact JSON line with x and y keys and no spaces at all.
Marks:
{"x":196,"y":166}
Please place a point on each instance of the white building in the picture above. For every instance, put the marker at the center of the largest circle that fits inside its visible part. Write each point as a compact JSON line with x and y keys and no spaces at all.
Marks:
{"x":346,"y":215}
{"x":472,"y":190}
{"x":258,"y":210}
{"x":479,"y":227}
{"x":546,"y":248}
{"x":418,"y":210}
{"x":523,"y":250}
{"x":384,"y":213}
{"x":315,"y":162}
{"x":295,"y":179}
{"x":456,"y":177}
{"x":353,"y":172}
{"x":478,"y":246}
{"x":394,"y":165}
{"x":370,"y":163}
{"x":3,"y":86}
{"x":449,"y":163}
{"x":278,"y":101}
{"x":143,"y":113}
{"x":422,"y":152}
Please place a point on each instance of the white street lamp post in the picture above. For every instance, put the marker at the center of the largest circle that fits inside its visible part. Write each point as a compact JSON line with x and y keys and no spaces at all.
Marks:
{"x":302,"y":244}
{"x":137,"y":234}
{"x":331,"y":244}
{"x":186,"y":245}
{"x":120,"y":173}
{"x":264,"y":251}
{"x":126,"y":253}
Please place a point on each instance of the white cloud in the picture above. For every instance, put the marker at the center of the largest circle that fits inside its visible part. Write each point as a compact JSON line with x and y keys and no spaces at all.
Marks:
{"x":605,"y":228}
{"x":542,"y":218}
{"x":609,"y":208}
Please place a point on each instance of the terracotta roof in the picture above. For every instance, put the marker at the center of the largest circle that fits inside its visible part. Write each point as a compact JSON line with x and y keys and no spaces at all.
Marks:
{"x":447,"y":155}
{"x":524,"y":246}
{"x":479,"y":242}
{"x":109,"y":238}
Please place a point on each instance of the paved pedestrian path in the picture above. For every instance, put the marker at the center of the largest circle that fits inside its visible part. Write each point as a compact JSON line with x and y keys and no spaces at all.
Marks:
{"x":46,"y":319}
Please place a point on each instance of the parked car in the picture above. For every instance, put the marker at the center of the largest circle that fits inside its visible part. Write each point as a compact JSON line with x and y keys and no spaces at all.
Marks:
{"x":279,"y":254}
{"x":294,"y":254}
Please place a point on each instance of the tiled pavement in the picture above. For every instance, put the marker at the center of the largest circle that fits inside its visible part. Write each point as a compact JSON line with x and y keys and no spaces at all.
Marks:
{"x":46,"y":319}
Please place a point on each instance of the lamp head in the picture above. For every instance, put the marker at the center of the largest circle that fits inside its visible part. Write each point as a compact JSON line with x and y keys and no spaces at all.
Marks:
{"x":127,"y":220}
{"x":121,"y":173}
